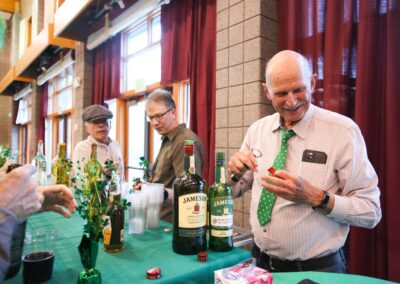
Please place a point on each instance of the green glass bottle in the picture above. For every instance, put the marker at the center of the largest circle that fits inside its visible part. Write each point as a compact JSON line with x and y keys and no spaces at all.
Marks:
{"x":93,"y":170}
{"x":221,"y":209}
{"x":40,"y":164}
{"x":61,"y":167}
{"x":190,"y":207}
{"x":113,"y":233}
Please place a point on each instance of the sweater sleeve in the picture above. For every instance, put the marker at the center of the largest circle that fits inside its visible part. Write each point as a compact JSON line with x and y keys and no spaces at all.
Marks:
{"x":8,"y":224}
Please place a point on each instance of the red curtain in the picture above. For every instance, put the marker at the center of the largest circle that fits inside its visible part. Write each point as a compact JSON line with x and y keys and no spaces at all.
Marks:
{"x":323,"y":31}
{"x":106,"y":70}
{"x":333,"y":34}
{"x":189,"y":51}
{"x":377,"y":112}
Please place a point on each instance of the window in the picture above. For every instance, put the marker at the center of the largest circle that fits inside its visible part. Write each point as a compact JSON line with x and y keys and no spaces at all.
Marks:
{"x":141,"y":59}
{"x":184,"y":103}
{"x":23,"y":111}
{"x":112,"y":106}
{"x":48,"y":142}
{"x":22,"y":144}
{"x":23,"y":121}
{"x":136,"y":137}
{"x":59,"y":107}
{"x":141,"y":69}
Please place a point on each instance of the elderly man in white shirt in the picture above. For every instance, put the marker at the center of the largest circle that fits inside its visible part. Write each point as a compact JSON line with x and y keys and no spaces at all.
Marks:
{"x":325,"y":185}
{"x":97,"y":124}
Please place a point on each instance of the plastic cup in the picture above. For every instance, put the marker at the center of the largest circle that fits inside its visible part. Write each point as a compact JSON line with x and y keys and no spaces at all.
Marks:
{"x":155,"y":197}
{"x":38,"y":259}
{"x":17,"y":245}
{"x":137,"y":213}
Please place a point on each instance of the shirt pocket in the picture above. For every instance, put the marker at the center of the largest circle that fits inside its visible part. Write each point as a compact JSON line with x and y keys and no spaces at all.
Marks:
{"x":314,"y":173}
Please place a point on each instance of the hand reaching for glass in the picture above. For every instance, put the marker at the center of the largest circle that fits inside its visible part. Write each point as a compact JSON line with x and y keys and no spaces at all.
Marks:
{"x":22,"y":196}
{"x":57,"y":198}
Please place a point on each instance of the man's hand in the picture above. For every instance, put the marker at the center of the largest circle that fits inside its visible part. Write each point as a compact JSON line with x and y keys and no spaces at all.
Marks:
{"x":292,"y":188}
{"x":3,"y":169}
{"x":18,"y":192}
{"x":57,"y":198}
{"x":239,"y":163}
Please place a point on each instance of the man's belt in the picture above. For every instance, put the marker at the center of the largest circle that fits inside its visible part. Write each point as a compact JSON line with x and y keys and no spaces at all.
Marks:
{"x":303,"y":265}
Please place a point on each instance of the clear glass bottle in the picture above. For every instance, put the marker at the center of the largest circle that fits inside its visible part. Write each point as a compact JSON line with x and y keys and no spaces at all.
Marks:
{"x":113,"y":233}
{"x":40,"y":164}
{"x":221,"y":209}
{"x":190,"y":207}
{"x":61,"y":167}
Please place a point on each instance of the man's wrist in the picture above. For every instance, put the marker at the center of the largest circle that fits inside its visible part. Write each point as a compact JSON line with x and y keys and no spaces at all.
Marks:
{"x":323,"y":200}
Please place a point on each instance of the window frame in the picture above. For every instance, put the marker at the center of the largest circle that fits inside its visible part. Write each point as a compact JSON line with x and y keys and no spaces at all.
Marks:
{"x":147,"y":21}
{"x":179,"y":90}
{"x":56,"y":115}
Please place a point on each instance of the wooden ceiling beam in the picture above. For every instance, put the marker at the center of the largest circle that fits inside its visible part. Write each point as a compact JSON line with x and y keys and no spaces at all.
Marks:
{"x":9,"y":6}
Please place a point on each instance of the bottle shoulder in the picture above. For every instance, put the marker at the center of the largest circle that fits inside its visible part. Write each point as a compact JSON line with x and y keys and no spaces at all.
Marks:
{"x":190,"y":180}
{"x":221,"y":188}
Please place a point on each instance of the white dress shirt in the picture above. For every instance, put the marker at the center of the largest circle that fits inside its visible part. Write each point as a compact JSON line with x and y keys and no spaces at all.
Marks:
{"x":112,"y":151}
{"x":296,"y":231}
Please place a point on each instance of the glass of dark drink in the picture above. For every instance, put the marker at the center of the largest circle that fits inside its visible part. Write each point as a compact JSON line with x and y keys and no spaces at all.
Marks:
{"x":39,"y":253}
{"x":38,"y":266}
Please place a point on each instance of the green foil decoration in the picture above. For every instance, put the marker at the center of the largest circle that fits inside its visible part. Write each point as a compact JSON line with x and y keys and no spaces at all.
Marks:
{"x":88,"y":250}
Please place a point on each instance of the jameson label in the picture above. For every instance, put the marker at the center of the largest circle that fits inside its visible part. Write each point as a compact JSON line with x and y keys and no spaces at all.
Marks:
{"x":192,"y":210}
{"x":221,"y":210}
{"x":222,"y":178}
{"x":122,"y":235}
{"x":221,"y":233}
{"x":107,"y":231}
{"x":192,"y":165}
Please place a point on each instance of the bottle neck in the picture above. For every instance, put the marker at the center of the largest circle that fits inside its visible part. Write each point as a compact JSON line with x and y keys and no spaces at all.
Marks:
{"x":220,"y":173}
{"x":114,"y":198}
{"x":189,"y":164}
{"x":115,"y":186}
{"x":62,"y":152}
{"x":40,"y":149}
{"x":93,"y":155}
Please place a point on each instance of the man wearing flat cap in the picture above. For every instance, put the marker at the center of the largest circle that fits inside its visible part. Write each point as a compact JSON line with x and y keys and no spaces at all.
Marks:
{"x":97,"y":124}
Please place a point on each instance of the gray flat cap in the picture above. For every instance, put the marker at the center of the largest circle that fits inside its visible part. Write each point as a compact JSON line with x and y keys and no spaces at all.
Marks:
{"x":96,"y":112}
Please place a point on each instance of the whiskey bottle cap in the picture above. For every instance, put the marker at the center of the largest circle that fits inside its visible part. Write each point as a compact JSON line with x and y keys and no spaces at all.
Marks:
{"x":153,"y":273}
{"x":202,"y":256}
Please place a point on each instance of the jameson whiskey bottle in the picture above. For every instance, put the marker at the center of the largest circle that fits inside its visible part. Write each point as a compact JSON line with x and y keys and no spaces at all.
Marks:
{"x":221,"y":209}
{"x":113,"y":233}
{"x":40,"y":164}
{"x":190,"y":207}
{"x":61,"y":167}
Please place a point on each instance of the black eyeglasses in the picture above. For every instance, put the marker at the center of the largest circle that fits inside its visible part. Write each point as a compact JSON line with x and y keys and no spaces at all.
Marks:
{"x":158,"y":116}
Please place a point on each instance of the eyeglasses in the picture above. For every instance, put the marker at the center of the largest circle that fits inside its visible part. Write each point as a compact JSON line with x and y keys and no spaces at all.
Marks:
{"x":158,"y":116}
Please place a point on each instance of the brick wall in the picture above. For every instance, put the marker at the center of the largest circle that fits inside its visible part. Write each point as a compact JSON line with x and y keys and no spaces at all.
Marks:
{"x":6,"y":119}
{"x":37,"y":96}
{"x":5,"y":101}
{"x":246,"y":39}
{"x":82,"y":91}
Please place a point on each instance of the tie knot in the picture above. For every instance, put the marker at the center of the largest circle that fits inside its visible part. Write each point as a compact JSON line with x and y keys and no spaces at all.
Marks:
{"x":286,"y":134}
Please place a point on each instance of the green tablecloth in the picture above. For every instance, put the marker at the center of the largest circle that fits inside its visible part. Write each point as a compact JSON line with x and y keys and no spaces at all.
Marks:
{"x":152,"y":249}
